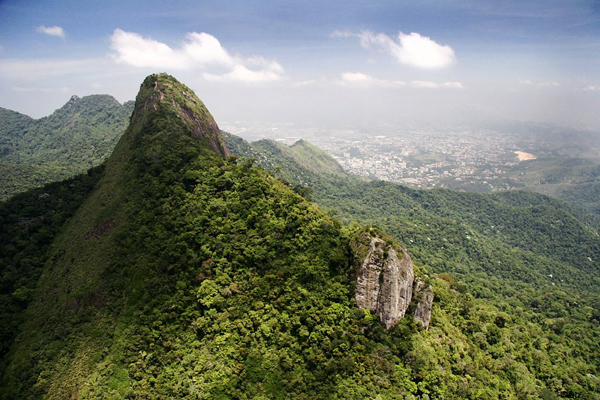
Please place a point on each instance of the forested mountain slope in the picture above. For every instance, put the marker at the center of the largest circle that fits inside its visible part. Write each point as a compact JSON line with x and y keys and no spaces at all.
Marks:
{"x":186,"y":273}
{"x":525,"y":253}
{"x":79,"y":135}
{"x":30,"y":223}
{"x":528,"y":222}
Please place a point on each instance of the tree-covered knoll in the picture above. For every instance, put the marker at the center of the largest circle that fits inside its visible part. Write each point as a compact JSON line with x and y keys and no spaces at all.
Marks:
{"x":74,"y":138}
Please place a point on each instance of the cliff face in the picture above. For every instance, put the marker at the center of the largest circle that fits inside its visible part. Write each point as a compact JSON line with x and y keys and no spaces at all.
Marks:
{"x":423,"y":311}
{"x":384,"y":280}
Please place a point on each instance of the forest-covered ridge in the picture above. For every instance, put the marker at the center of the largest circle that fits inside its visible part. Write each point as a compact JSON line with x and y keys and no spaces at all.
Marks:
{"x":79,"y":135}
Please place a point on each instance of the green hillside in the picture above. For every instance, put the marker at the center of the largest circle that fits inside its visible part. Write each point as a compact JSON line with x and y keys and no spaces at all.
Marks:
{"x":186,"y":273}
{"x":574,"y":180}
{"x":523,"y":253}
{"x":294,"y":162}
{"x":79,"y":135}
{"x":30,"y":223}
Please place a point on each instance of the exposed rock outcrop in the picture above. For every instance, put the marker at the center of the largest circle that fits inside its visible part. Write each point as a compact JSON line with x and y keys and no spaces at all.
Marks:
{"x":384,"y":279}
{"x":423,"y":311}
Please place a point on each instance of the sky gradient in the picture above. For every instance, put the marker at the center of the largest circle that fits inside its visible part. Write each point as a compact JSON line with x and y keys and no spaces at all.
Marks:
{"x":338,"y":63}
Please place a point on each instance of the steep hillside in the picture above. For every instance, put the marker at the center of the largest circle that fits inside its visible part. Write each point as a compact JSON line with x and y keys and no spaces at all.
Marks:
{"x":13,"y":126}
{"x":546,"y":229}
{"x":315,"y":159}
{"x":186,"y":275}
{"x":79,"y":135}
{"x":524,"y":253}
{"x":574,"y":180}
{"x":30,"y":223}
{"x":189,"y":274}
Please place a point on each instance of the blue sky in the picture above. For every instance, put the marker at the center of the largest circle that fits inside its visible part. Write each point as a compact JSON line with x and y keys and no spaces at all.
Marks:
{"x":314,"y":62}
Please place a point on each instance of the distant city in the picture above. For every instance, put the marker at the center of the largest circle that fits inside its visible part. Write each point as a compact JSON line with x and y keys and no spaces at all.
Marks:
{"x":473,"y":158}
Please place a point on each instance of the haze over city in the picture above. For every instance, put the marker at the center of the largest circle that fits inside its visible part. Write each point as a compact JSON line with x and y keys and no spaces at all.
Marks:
{"x":339,"y":64}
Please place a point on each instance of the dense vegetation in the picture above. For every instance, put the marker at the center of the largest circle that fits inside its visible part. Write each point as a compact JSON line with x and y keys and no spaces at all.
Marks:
{"x":30,"y":222}
{"x":79,"y":135}
{"x":574,"y":180}
{"x":519,"y":253}
{"x":185,"y":274}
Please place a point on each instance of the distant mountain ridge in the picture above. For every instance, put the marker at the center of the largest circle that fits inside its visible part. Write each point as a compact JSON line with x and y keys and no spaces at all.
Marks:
{"x":79,"y":135}
{"x":296,"y":163}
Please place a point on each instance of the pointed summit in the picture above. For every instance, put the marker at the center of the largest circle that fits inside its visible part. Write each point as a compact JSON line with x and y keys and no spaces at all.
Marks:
{"x":101,"y":265}
{"x":73,"y":99}
{"x":179,"y":108}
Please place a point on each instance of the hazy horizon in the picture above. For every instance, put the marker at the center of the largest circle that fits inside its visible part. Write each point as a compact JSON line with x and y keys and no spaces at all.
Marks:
{"x":323,"y":64}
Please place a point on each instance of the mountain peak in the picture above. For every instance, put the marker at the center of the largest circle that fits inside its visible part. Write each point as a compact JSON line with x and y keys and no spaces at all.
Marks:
{"x":300,"y":142}
{"x":74,"y":99}
{"x":161,"y":94}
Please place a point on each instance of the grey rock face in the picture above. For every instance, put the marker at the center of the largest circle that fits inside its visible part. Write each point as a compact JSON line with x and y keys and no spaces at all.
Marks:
{"x":384,"y":282}
{"x":423,"y":310}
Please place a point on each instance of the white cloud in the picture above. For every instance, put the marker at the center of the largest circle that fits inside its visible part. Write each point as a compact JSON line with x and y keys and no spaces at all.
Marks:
{"x":363,"y":80}
{"x":51,"y":30}
{"x":32,"y":89}
{"x":240,"y":73}
{"x":138,"y":52}
{"x":199,"y":51}
{"x":548,"y":84}
{"x":412,"y":49}
{"x":529,"y":82}
{"x":591,"y":88}
{"x":435,"y":85}
{"x":96,"y":85}
{"x":207,"y":50}
{"x":424,"y":85}
{"x":357,"y":77}
{"x":310,"y":82}
{"x":343,"y":34}
{"x":453,"y":85}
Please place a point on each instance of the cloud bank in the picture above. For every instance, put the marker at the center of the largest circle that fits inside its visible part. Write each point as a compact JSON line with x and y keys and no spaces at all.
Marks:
{"x":51,"y":30}
{"x":200,"y":51}
{"x":412,"y":49}
{"x":363,"y":80}
{"x":359,"y":79}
